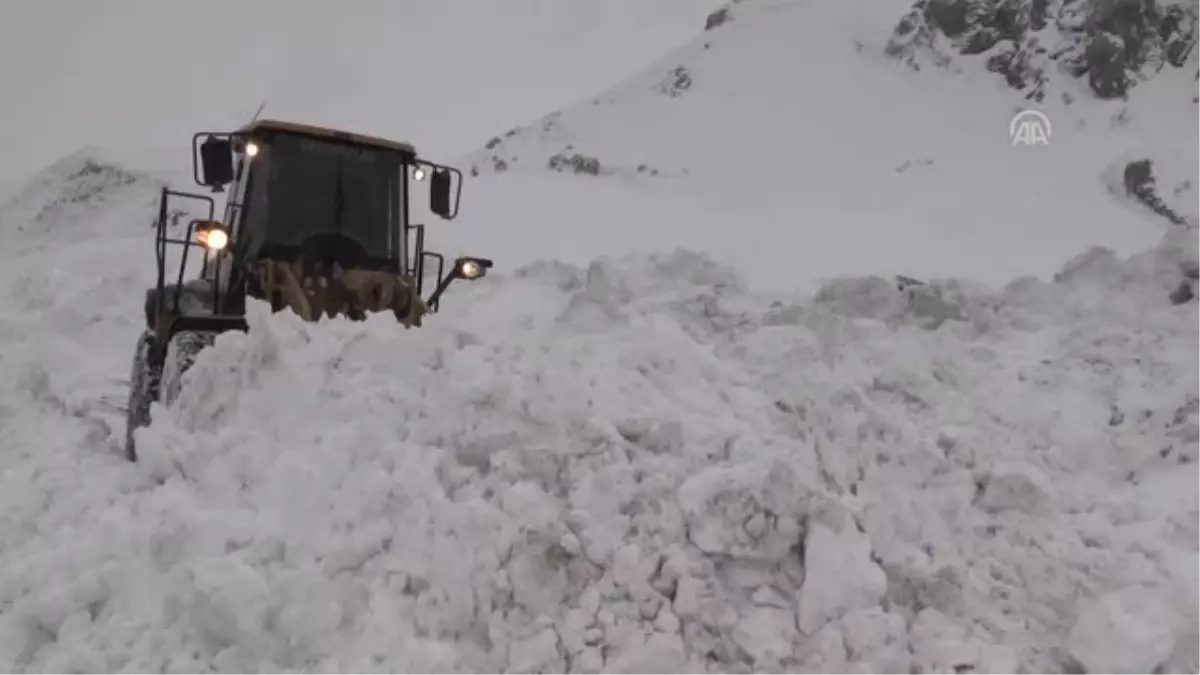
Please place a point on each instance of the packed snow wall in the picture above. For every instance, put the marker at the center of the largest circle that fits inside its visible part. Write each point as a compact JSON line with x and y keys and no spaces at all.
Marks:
{"x":639,"y":466}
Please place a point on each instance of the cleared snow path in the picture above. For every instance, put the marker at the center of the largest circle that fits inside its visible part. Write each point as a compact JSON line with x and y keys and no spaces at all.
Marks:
{"x":635,"y":467}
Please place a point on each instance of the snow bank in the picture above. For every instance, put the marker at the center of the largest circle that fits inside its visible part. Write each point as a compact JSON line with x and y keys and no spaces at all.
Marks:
{"x":634,"y":466}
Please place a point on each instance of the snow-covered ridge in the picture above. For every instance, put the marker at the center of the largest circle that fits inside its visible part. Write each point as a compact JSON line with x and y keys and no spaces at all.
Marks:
{"x":1036,"y":47}
{"x":78,"y":239}
{"x":796,"y":150}
{"x":72,"y":189}
{"x":70,"y":232}
{"x":637,"y":466}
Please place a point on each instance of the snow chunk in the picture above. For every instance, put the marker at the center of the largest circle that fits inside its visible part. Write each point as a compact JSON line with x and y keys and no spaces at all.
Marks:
{"x":656,"y":653}
{"x":865,"y":297}
{"x":1131,"y":630}
{"x":750,"y":511}
{"x":535,"y":654}
{"x":229,"y":603}
{"x":1016,"y":485}
{"x":767,"y":634}
{"x":947,"y":647}
{"x":839,"y":575}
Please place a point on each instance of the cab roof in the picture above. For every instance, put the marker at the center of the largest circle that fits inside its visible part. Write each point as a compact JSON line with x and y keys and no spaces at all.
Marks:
{"x":325,"y":132}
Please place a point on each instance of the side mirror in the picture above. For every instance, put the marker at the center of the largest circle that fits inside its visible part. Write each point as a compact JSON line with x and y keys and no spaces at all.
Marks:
{"x":439,"y":194}
{"x":216,"y":159}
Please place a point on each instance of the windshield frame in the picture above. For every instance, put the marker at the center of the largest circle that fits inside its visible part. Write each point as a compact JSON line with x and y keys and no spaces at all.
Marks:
{"x":253,"y":213}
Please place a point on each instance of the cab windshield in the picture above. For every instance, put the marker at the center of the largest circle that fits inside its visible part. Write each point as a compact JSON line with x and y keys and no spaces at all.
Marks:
{"x":302,"y":186}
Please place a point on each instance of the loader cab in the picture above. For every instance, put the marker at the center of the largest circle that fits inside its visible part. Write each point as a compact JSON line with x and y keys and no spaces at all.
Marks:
{"x":351,"y":200}
{"x":288,"y":184}
{"x":299,"y":192}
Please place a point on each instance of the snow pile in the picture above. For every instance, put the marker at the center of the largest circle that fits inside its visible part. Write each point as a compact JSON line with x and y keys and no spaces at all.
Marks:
{"x":638,"y":466}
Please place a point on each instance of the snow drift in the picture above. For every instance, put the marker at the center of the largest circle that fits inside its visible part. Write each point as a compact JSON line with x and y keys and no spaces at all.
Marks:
{"x":637,"y":466}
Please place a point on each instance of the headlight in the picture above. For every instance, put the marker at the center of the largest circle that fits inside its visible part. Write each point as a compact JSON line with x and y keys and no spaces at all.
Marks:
{"x":251,"y":148}
{"x":418,"y":174}
{"x":471,"y":269}
{"x":215,"y":239}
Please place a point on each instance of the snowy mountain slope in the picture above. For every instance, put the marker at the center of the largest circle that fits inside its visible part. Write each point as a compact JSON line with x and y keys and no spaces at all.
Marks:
{"x":79,"y":247}
{"x":355,"y":68}
{"x":791,"y":123}
{"x":639,"y":465}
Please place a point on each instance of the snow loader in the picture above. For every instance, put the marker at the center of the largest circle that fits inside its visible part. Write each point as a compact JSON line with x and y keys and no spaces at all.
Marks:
{"x":316,"y":222}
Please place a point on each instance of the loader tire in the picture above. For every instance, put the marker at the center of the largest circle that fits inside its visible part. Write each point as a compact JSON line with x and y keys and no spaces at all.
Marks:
{"x":181,"y":354}
{"x":144,"y":379}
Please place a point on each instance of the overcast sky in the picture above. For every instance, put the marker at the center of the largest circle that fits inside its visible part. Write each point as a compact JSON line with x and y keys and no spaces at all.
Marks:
{"x":445,"y":74}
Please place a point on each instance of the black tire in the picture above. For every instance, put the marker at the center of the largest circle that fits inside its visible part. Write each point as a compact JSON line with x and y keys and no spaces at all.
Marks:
{"x":181,"y":354}
{"x":144,"y":379}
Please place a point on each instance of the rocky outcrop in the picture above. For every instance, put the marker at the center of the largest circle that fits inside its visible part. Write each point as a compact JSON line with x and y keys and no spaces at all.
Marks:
{"x":721,"y":16}
{"x":1113,"y":43}
{"x":1141,"y":184}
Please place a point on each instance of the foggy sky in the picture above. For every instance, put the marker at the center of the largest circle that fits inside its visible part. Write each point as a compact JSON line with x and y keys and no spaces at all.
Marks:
{"x":444,"y":74}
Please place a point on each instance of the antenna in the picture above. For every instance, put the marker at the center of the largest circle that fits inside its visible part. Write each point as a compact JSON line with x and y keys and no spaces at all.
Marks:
{"x":258,"y":112}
